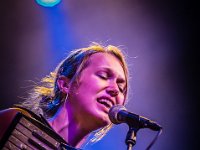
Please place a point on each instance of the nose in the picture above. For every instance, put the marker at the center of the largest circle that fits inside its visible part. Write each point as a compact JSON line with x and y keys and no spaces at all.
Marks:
{"x":112,"y":91}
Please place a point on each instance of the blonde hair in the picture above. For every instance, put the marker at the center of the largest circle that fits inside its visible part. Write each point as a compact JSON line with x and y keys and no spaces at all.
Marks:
{"x":46,"y":96}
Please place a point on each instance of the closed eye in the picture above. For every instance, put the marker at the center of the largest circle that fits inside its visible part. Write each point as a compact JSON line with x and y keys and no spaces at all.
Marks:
{"x":108,"y":74}
{"x":103,"y":75}
{"x":121,"y":85}
{"x":121,"y":88}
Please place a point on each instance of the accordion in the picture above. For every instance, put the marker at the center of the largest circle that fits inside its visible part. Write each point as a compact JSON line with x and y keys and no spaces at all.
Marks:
{"x":26,"y":133}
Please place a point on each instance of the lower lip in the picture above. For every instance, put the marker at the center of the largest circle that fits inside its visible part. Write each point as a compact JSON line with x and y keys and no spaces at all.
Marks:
{"x":106,"y":109}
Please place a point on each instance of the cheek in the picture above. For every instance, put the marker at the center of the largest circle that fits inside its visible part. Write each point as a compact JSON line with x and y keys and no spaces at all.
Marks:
{"x":88,"y":81}
{"x":121,"y":99}
{"x":94,"y":84}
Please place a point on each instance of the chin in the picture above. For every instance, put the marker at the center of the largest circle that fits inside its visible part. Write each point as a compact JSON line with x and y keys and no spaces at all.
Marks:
{"x":105,"y":121}
{"x":101,"y":118}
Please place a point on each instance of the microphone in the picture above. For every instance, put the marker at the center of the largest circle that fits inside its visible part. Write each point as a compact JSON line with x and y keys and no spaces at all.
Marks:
{"x":118,"y":114}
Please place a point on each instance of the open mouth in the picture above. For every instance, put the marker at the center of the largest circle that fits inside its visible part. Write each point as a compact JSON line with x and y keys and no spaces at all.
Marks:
{"x":106,"y":102}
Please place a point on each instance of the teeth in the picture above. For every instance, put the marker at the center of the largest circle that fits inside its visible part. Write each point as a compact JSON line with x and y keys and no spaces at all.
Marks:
{"x":106,"y":101}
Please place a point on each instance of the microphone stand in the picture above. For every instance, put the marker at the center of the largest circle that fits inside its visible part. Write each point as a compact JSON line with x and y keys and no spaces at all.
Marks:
{"x":131,"y":137}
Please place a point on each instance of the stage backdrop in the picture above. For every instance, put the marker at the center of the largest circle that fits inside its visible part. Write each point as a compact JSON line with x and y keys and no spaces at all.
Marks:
{"x":157,"y":37}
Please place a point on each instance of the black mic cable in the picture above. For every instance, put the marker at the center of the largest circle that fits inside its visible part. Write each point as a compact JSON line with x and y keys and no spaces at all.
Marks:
{"x":154,"y":140}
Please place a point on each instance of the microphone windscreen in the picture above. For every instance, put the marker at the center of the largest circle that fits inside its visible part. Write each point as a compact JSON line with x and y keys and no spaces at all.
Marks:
{"x":113,"y":113}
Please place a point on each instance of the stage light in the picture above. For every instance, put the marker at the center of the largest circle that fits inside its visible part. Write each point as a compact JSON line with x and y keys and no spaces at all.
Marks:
{"x":48,"y":3}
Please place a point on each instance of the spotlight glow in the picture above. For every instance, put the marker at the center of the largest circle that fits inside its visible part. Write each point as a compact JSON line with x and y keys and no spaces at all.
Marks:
{"x":48,"y":3}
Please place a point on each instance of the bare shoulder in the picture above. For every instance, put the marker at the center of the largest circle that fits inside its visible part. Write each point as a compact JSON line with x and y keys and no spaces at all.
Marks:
{"x":6,"y":117}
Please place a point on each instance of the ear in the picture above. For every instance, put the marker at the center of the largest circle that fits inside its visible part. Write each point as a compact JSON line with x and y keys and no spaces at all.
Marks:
{"x":63,"y":84}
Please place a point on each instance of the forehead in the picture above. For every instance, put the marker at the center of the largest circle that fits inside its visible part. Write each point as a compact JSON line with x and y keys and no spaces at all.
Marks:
{"x":106,"y":61}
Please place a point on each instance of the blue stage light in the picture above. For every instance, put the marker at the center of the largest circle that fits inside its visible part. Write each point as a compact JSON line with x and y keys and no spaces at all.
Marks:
{"x":48,"y":3}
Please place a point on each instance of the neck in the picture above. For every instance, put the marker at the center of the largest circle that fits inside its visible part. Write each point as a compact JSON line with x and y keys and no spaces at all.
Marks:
{"x":68,"y":127}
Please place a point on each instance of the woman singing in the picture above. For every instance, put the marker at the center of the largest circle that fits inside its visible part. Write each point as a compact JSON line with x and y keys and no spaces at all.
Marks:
{"x":76,"y":97}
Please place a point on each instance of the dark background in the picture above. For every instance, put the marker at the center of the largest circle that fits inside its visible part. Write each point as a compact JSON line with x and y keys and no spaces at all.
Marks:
{"x":159,"y":38}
